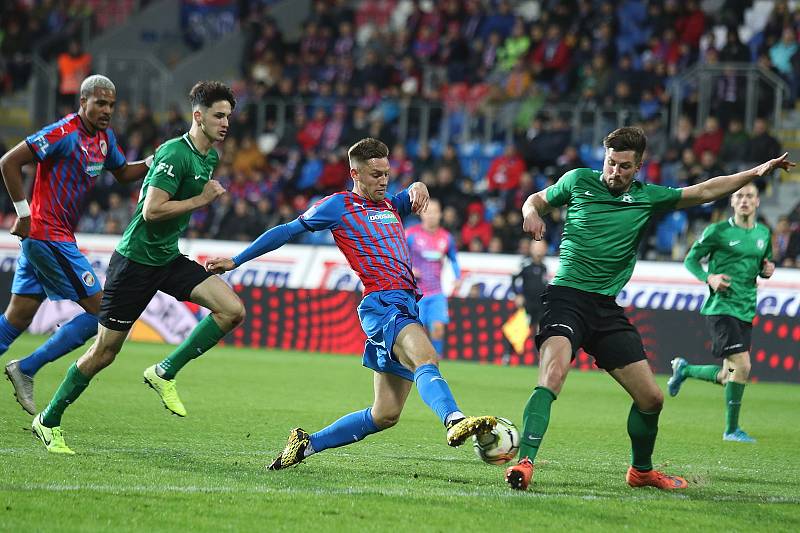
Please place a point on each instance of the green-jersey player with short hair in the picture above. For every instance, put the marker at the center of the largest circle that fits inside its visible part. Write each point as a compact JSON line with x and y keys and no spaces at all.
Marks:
{"x":607,"y":214}
{"x":739,"y":250}
{"x":148,"y":260}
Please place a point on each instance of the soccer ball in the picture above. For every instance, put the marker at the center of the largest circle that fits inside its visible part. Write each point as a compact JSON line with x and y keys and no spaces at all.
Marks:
{"x":500,"y":446}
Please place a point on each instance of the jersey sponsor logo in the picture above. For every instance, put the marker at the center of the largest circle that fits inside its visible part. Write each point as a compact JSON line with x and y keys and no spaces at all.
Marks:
{"x":103,"y":148}
{"x":94,"y":169}
{"x":42,"y":143}
{"x":733,"y":243}
{"x":383,"y":218}
{"x":88,"y":279}
{"x":166,"y":168}
{"x":627,"y":198}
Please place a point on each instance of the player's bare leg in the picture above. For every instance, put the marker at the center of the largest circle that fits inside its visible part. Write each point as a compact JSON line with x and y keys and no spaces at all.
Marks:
{"x":637,"y":379}
{"x":414,"y":350}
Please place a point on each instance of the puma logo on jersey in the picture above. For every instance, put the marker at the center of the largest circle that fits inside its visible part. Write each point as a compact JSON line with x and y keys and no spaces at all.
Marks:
{"x":733,"y":243}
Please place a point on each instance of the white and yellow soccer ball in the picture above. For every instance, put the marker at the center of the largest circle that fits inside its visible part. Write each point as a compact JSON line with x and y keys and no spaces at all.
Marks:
{"x":500,"y":446}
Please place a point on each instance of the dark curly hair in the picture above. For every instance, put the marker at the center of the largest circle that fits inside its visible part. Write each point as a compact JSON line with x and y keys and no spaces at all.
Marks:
{"x":206,"y":93}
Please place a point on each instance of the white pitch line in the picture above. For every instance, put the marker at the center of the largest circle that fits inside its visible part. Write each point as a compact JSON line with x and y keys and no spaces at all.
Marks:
{"x":350,"y":491}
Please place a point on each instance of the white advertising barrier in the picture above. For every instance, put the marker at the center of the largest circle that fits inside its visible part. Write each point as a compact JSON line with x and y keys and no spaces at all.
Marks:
{"x":654,"y":285}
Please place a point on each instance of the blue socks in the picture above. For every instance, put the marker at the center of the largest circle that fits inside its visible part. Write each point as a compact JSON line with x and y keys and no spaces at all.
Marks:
{"x":8,"y":334}
{"x":438,"y":345}
{"x":347,"y":430}
{"x":435,"y":391}
{"x":65,"y":339}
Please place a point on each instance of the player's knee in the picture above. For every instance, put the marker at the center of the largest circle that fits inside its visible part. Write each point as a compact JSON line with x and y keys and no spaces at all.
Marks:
{"x":741,"y":372}
{"x":652,"y":401}
{"x":237,"y":313}
{"x":385,"y":420}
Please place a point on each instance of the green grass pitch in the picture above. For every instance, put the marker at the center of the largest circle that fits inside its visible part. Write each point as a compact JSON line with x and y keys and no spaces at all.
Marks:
{"x":140,"y":469}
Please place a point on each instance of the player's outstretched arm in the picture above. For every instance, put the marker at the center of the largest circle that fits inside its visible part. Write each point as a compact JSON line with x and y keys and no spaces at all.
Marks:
{"x":133,"y":171}
{"x":722,"y":186}
{"x":11,"y":167}
{"x":158,"y":205}
{"x":269,"y":240}
{"x":532,"y":210}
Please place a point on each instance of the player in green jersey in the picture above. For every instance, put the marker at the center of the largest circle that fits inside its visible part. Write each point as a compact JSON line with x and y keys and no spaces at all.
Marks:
{"x":607,"y":213}
{"x":739,"y":250}
{"x":147,"y":260}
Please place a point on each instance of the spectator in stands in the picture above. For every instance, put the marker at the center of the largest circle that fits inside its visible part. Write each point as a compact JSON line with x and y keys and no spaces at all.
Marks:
{"x":735,"y":144}
{"x":310,"y":134}
{"x":762,"y":143}
{"x":504,"y":171}
{"x":145,"y":124}
{"x":16,"y":52}
{"x":476,"y":232}
{"x":94,"y":220}
{"x":734,"y":50}
{"x":711,"y":138}
{"x":249,"y":159}
{"x":782,"y":54}
{"x":785,"y":243}
{"x":74,"y":66}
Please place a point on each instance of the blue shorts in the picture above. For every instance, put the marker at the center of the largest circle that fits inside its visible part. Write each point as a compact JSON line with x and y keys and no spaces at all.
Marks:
{"x":383,"y":315}
{"x":432,"y":309}
{"x":57,"y":269}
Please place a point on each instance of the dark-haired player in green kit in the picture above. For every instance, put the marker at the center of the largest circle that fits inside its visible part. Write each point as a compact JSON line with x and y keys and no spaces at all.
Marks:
{"x":147,"y":260}
{"x":607,"y":213}
{"x":739,"y":250}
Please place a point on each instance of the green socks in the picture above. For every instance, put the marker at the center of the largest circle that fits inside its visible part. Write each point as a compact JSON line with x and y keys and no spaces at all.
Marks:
{"x":202,"y":338}
{"x":642,"y":429}
{"x":535,"y":420}
{"x":733,"y":402}
{"x":73,"y":385}
{"x":704,"y":372}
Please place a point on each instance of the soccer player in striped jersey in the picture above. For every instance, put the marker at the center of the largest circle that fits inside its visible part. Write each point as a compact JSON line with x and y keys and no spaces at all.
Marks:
{"x":70,"y":155}
{"x":739,"y":250}
{"x":607,"y":212}
{"x":367,"y":227}
{"x":430,"y":243}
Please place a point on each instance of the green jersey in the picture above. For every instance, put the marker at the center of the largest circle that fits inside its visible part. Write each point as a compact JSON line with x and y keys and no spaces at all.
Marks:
{"x":737,"y":252}
{"x":182,"y":171}
{"x":602,"y":230}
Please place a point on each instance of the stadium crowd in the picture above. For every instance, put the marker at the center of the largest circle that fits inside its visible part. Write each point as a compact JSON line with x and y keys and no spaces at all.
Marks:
{"x":356,"y":64}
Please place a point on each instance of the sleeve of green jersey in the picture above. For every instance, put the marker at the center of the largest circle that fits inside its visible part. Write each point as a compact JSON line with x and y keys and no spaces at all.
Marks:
{"x":168,"y":167}
{"x":662,"y":198}
{"x":560,"y":192}
{"x":701,"y":248}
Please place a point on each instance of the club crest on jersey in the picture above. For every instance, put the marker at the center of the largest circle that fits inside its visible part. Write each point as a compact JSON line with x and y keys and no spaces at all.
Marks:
{"x":627,"y":198}
{"x":386,"y":217}
{"x":88,"y":278}
{"x":760,"y":243}
{"x":103,"y":147}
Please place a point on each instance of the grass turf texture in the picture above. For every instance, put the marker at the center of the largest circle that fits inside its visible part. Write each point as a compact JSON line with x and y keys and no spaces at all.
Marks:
{"x":138,"y":468}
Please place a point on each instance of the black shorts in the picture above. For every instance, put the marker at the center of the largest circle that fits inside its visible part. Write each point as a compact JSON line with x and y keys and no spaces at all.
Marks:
{"x":130,"y":286}
{"x":593,"y":322}
{"x":729,"y":335}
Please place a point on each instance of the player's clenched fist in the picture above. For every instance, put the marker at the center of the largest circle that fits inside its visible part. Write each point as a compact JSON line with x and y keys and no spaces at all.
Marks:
{"x":22,"y":227}
{"x":218,"y":265}
{"x":419,"y":196}
{"x":212,"y":190}
{"x":534,"y":225}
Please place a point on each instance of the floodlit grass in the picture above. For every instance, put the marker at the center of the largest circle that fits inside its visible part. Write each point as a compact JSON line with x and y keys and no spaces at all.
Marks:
{"x":139,"y":468}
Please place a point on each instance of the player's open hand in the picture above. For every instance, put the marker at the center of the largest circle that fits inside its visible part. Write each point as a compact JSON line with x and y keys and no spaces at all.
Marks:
{"x":212,"y":190}
{"x":719,"y":282}
{"x":534,"y":225}
{"x":218,"y":265}
{"x":419,"y":195}
{"x":779,"y":162}
{"x":21,"y":227}
{"x":767,"y":268}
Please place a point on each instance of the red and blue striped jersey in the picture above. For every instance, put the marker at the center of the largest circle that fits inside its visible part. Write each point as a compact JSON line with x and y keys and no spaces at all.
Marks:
{"x":428,"y":250}
{"x":370,"y":235}
{"x":69,"y":161}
